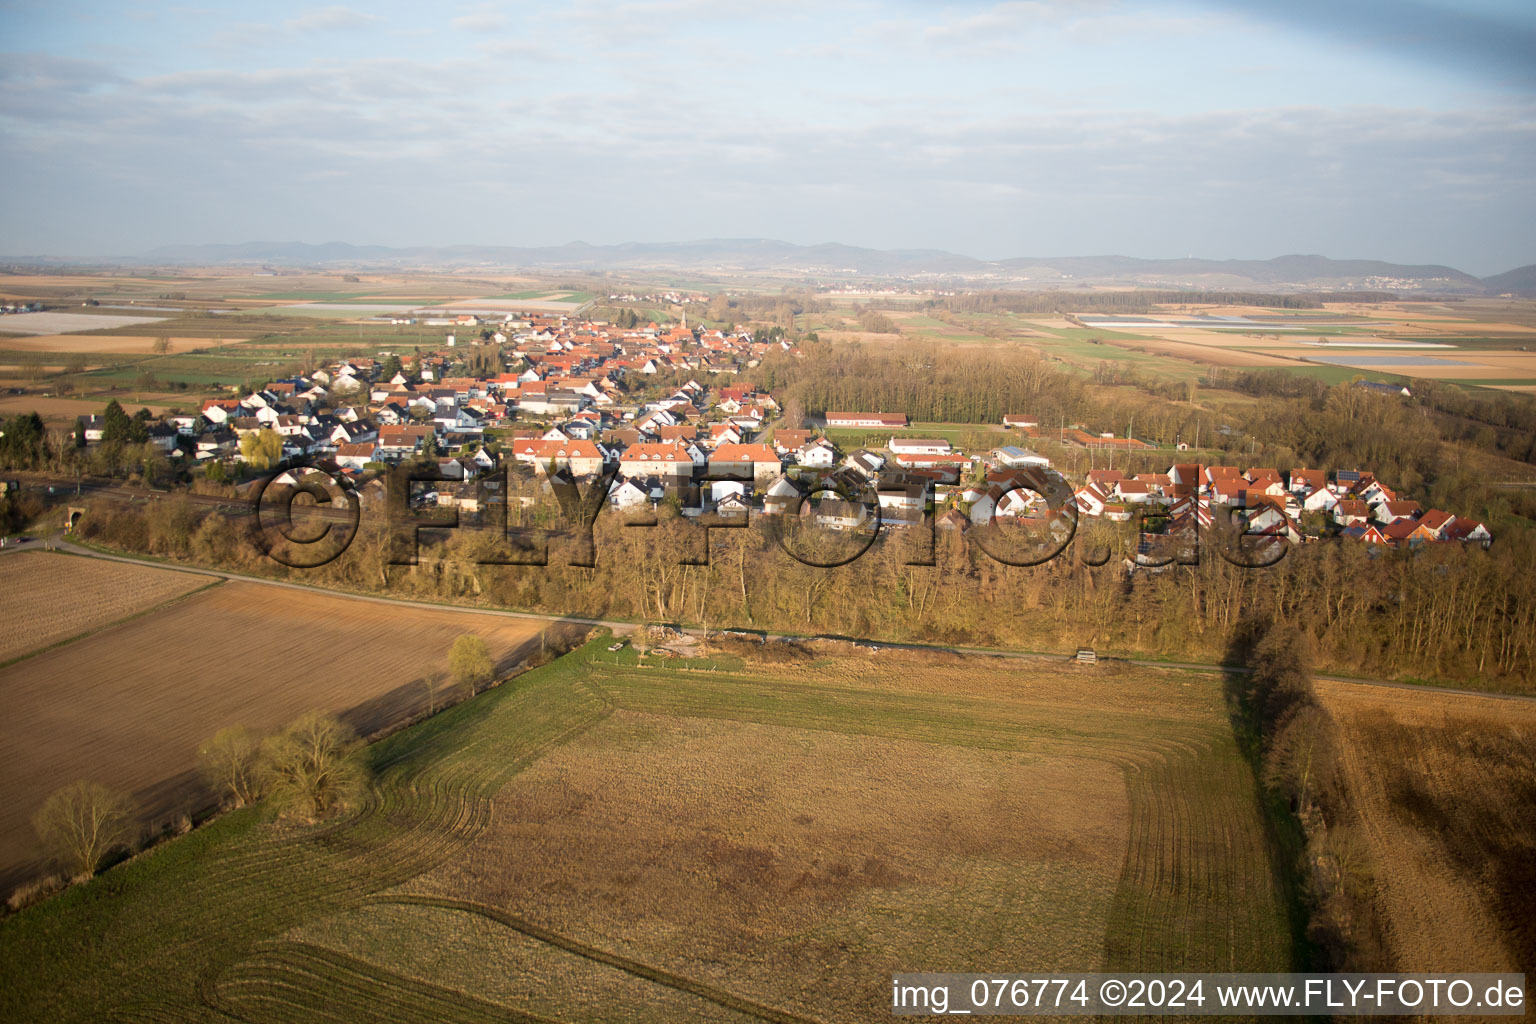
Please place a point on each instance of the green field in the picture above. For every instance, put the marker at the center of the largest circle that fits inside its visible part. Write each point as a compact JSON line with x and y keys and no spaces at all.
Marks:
{"x":548,"y":294}
{"x":1075,"y":347}
{"x":699,"y":839}
{"x":1337,"y":374}
{"x":275,"y":347}
{"x":957,"y":434}
{"x":315,"y":296}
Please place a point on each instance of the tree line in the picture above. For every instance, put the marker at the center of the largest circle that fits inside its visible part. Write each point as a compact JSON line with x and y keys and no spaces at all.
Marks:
{"x":1448,"y":612}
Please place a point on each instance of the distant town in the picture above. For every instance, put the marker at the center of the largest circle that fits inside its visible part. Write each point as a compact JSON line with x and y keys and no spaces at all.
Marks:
{"x":539,"y":392}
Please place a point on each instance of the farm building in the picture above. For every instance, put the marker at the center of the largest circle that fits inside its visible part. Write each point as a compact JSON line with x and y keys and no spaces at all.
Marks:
{"x":866,"y":419}
{"x":1014,"y":457}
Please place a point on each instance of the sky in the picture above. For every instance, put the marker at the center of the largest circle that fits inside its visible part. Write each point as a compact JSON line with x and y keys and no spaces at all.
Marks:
{"x":1386,"y":129}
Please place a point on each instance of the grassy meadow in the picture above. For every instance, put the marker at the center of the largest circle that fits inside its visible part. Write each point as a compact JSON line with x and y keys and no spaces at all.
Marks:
{"x":724,"y":838}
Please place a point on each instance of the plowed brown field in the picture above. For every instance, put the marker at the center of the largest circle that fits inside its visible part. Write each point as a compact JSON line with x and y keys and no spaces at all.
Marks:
{"x":129,"y":705}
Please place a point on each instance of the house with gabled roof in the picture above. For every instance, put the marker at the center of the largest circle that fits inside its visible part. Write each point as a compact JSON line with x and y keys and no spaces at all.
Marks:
{"x":1131,"y":492}
{"x":782,"y":497}
{"x":1467,"y":531}
{"x":581,"y":458}
{"x":756,"y":462}
{"x":1320,"y":500}
{"x":1269,"y":519}
{"x":627,"y":494}
{"x":1212,"y":474}
{"x":817,"y":454}
{"x":1365,"y":533}
{"x":1105,"y":478}
{"x":1228,"y":491}
{"x":1434,"y":523}
{"x":1091,"y":499}
{"x":1307,"y":481}
{"x":1351,"y":511}
{"x":672,"y":459}
{"x":1392,"y":511}
{"x":724,"y":434}
{"x":1404,"y":533}
{"x":786,"y":441}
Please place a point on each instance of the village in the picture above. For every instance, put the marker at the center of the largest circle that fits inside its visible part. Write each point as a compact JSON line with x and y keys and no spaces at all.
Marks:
{"x":532,"y":394}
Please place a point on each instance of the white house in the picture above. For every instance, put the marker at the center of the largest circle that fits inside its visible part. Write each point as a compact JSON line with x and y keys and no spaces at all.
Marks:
{"x":817,"y":454}
{"x":718,"y":489}
{"x":356,"y":456}
{"x":900,"y":446}
{"x":1320,"y":500}
{"x":627,"y":494}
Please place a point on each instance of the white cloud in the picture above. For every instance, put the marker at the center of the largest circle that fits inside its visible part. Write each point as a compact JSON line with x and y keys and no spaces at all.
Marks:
{"x":330,"y":19}
{"x":483,"y":19}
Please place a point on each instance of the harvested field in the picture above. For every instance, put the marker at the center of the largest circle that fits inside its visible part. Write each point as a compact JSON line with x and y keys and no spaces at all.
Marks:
{"x":1444,"y":786}
{"x":129,"y":704}
{"x":1220,"y":351}
{"x":115,"y":343}
{"x":502,"y":305}
{"x":1513,"y":363}
{"x":781,"y":834}
{"x":1447,"y":370}
{"x":59,"y":410}
{"x":47,"y":598}
{"x":26,"y":284}
{"x":861,"y":337}
{"x":700,"y":839}
{"x":798,"y":844}
{"x":68,"y":323}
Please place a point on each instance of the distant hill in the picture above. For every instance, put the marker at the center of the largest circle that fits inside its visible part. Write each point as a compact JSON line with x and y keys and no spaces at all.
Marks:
{"x":832,"y":261}
{"x":1295,"y":271}
{"x":1520,"y":281}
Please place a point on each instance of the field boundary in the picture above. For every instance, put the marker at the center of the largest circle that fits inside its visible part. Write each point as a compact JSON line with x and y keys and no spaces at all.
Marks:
{"x":161,"y":606}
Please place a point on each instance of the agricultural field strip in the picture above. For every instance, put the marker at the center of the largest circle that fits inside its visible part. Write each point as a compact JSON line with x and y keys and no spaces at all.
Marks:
{"x":1170,"y":890}
{"x":952,"y":720}
{"x":961,"y":711}
{"x":1189,"y":863}
{"x":76,"y":597}
{"x":1167,"y":882}
{"x":1462,"y":771}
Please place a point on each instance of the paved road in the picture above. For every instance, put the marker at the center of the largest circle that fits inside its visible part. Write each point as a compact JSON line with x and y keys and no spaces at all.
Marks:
{"x":623,"y":628}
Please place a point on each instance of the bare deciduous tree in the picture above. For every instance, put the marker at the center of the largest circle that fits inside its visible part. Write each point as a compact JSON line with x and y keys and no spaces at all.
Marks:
{"x":82,"y":822}
{"x":230,"y":761}
{"x":470,"y":660}
{"x":641,"y":640}
{"x":307,"y":767}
